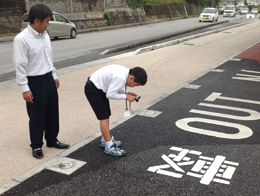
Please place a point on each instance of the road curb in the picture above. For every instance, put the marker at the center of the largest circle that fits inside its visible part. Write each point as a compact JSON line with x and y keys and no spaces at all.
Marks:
{"x":135,"y":44}
{"x":170,"y":43}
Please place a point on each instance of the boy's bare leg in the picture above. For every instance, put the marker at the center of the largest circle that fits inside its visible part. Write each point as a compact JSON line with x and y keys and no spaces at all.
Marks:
{"x":104,"y":126}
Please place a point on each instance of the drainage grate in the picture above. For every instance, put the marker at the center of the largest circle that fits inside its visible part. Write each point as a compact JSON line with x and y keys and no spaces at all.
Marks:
{"x":218,"y":70}
{"x":66,"y":165}
{"x":149,"y":113}
{"x":191,"y":44}
{"x":192,"y":86}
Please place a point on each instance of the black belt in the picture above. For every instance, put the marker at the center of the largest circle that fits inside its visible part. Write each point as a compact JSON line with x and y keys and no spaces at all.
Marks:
{"x":49,"y":73}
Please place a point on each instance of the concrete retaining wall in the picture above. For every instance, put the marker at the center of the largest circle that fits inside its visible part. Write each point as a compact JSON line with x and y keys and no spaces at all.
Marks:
{"x":90,"y":13}
{"x":172,"y":10}
{"x":11,"y":12}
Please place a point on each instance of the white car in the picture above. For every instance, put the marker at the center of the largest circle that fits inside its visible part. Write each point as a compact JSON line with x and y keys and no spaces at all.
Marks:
{"x":59,"y":26}
{"x":230,"y":10}
{"x":254,"y":11}
{"x":209,"y":14}
{"x":244,"y":10}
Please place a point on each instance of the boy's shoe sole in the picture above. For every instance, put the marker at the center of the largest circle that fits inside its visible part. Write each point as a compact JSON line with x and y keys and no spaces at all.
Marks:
{"x":113,"y":154}
{"x":118,"y":143}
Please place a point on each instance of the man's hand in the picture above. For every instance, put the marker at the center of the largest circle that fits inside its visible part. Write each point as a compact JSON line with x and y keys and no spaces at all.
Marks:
{"x":57,"y":83}
{"x":28,"y":96}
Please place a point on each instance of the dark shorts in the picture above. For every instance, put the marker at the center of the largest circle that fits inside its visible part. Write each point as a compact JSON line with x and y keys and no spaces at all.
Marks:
{"x":98,"y":101}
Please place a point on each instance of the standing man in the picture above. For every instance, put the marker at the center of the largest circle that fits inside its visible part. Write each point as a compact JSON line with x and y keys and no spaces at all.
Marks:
{"x":35,"y":73}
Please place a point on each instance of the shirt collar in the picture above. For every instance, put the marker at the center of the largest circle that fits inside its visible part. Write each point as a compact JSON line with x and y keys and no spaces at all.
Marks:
{"x":35,"y":33}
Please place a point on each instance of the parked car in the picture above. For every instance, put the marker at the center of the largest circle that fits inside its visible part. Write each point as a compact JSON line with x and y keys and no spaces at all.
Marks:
{"x":209,"y":14}
{"x":230,"y":10}
{"x":59,"y":26}
{"x":221,"y":8}
{"x":254,"y":11}
{"x":244,"y":10}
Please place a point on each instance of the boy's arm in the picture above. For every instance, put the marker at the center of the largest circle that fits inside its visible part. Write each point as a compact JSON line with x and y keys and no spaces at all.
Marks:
{"x":115,"y":89}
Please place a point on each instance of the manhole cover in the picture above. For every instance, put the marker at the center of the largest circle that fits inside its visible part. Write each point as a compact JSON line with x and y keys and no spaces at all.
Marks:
{"x":192,"y":86}
{"x":218,"y":70}
{"x":149,"y":112}
{"x":65,"y":165}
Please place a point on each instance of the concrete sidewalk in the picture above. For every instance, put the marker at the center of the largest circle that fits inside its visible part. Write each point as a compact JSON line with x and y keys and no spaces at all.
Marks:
{"x":178,"y":63}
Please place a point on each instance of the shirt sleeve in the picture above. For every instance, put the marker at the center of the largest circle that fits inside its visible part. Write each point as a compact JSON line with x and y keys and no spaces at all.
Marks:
{"x":54,"y":75}
{"x":115,"y":89}
{"x":20,"y":59}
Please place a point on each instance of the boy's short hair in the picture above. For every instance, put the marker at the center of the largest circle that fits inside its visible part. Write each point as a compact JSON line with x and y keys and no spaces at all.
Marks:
{"x":40,"y":12}
{"x":139,"y":74}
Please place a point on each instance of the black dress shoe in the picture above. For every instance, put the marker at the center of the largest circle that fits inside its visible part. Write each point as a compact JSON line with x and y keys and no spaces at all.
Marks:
{"x":58,"y":145}
{"x":37,"y":153}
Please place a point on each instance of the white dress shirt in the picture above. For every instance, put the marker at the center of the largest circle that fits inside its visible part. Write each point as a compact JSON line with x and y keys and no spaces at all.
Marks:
{"x":32,"y":56}
{"x":111,"y":80}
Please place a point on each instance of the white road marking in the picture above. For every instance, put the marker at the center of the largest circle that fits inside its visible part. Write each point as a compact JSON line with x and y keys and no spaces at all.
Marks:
{"x":213,"y":169}
{"x":198,"y":166}
{"x":182,"y":154}
{"x":168,"y":173}
{"x":220,"y":181}
{"x":155,"y":168}
{"x":229,"y":172}
{"x":172,"y":164}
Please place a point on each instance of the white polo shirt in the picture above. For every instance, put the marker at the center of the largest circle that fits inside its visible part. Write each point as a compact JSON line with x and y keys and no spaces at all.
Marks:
{"x":32,"y":56}
{"x":111,"y":80}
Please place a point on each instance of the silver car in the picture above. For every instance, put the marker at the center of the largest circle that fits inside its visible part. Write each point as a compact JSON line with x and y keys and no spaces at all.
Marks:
{"x":254,"y":11}
{"x":59,"y":26}
{"x":244,"y":10}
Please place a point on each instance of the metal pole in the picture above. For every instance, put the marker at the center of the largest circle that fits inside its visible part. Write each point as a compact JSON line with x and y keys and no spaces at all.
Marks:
{"x":71,"y":6}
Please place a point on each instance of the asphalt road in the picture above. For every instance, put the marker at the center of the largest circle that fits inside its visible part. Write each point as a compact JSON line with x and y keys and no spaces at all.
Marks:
{"x":87,"y":47}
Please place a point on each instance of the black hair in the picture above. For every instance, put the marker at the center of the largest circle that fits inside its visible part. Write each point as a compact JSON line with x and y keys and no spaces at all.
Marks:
{"x":40,"y":12}
{"x":139,"y":74}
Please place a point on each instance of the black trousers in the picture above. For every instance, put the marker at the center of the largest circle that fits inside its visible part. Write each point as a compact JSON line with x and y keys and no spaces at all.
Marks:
{"x":44,"y":111}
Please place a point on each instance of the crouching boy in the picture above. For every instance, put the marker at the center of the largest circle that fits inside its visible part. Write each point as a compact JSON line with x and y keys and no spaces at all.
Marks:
{"x":107,"y":83}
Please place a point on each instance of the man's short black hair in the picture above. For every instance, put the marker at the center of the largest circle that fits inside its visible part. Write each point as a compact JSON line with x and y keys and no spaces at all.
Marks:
{"x":139,"y":74}
{"x":40,"y":12}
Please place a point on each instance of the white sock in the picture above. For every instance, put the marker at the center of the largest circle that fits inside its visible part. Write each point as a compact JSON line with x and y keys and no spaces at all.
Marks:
{"x":109,"y":143}
{"x":103,"y":138}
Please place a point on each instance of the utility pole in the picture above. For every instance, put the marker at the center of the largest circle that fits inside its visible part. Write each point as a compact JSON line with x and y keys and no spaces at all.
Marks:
{"x":71,"y":6}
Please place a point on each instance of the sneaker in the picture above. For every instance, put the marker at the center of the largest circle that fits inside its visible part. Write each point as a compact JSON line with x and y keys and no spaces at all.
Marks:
{"x":113,"y":150}
{"x":118,"y":143}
